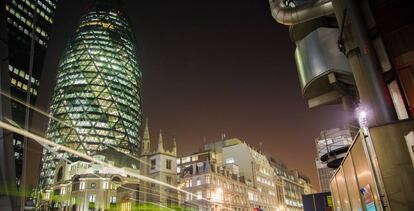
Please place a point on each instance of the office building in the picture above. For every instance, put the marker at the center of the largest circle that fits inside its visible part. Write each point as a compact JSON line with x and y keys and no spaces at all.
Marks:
{"x":97,"y":98}
{"x":29,"y":24}
{"x":331,"y":147}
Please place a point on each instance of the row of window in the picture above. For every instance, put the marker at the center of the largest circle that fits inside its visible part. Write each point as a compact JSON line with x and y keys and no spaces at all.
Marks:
{"x":43,"y":6}
{"x":26,"y":21}
{"x":92,"y":199}
{"x":25,"y":31}
{"x":29,"y":13}
{"x":22,"y":86}
{"x":187,"y":159}
{"x":167,"y":164}
{"x":23,"y":75}
{"x":265,"y":181}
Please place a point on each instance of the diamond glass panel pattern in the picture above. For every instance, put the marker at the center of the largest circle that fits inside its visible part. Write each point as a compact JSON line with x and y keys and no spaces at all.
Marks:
{"x":97,"y":95}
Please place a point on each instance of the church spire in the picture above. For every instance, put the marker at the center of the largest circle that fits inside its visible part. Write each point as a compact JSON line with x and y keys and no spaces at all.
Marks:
{"x":160,"y":143}
{"x":174,"y":148}
{"x":146,"y":140}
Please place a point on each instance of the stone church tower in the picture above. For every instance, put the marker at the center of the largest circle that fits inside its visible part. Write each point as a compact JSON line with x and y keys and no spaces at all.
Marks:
{"x":161,"y":165}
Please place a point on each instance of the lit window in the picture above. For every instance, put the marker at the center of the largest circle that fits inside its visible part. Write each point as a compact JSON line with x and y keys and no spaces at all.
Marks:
{"x":208,"y":179}
{"x":92,"y":198}
{"x":185,"y":159}
{"x":229,"y":160}
{"x":82,"y":185}
{"x":113,"y":199}
{"x":105,"y":185}
{"x":13,"y":81}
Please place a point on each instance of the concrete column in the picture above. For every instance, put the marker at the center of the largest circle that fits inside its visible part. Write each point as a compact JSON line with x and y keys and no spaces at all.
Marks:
{"x":373,"y":92}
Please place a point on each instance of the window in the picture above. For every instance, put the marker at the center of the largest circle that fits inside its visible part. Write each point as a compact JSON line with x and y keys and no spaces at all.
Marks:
{"x":185,"y":159}
{"x":168,"y":164}
{"x":60,"y":174}
{"x":153,"y":163}
{"x":229,"y":160}
{"x":93,"y":185}
{"x":189,"y":183}
{"x":82,"y":185}
{"x":112,"y":199}
{"x":169,"y":180}
{"x":92,"y":198}
{"x":198,"y":181}
{"x":105,"y":185}
{"x":208,"y":179}
{"x":199,"y":195}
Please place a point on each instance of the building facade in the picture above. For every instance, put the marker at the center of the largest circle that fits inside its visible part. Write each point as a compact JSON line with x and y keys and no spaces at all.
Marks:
{"x":159,"y":164}
{"x":212,"y":186}
{"x":81,"y":185}
{"x":26,"y":20}
{"x":232,"y":175}
{"x":97,"y":98}
{"x":293,"y":185}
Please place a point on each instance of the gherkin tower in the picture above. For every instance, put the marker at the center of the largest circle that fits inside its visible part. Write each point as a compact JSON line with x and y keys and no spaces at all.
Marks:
{"x":97,"y":99}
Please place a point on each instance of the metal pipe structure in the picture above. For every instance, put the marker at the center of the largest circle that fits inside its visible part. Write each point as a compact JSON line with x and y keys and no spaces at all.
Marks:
{"x":373,"y":90}
{"x":300,"y":14}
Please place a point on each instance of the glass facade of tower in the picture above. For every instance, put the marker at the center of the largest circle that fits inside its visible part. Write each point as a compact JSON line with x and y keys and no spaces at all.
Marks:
{"x":97,"y":98}
{"x":20,"y":16}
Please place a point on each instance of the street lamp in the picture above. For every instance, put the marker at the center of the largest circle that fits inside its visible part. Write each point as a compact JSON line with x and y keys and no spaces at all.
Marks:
{"x":362,"y":115}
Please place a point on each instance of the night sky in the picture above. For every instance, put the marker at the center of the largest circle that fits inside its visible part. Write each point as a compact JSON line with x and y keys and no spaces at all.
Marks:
{"x":212,"y":67}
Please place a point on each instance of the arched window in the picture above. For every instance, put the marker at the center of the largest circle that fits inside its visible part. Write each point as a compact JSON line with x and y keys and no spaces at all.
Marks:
{"x":60,"y":174}
{"x":75,"y":183}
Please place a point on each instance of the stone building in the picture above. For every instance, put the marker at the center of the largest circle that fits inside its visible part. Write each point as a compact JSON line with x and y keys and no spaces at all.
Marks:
{"x":161,"y":165}
{"x":230,"y":175}
{"x":81,"y":185}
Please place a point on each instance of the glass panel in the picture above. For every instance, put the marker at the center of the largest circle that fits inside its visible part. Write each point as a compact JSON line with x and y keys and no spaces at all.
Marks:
{"x":335,"y":195}
{"x":342,"y":190}
{"x":349,"y":173}
{"x":363,"y":171}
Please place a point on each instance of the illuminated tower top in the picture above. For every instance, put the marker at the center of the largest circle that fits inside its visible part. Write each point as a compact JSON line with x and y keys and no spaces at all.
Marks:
{"x":97,"y":97}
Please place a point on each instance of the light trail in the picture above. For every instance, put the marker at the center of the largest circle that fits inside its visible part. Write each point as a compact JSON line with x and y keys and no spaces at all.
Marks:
{"x":159,"y":205}
{"x":43,"y":141}
{"x":33,"y":108}
{"x":60,"y":121}
{"x":190,"y":204}
{"x":133,"y":157}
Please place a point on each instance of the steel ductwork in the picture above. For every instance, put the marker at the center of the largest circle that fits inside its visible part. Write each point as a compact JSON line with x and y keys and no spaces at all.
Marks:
{"x":299,"y":14}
